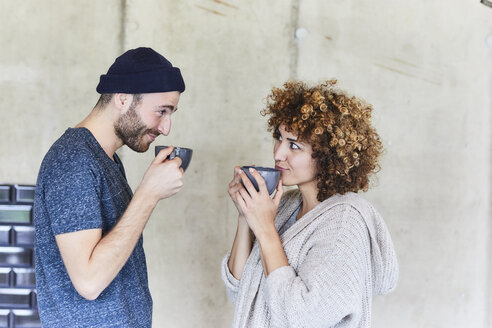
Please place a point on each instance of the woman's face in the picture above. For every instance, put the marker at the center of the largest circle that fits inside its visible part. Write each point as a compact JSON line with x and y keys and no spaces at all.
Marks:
{"x":293,"y":159}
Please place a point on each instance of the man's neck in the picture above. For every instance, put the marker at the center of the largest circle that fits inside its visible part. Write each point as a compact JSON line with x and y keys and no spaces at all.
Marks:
{"x":102,"y":128}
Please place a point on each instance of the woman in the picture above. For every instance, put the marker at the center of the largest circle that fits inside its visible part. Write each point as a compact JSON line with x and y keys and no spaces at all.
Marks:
{"x":314,"y":256}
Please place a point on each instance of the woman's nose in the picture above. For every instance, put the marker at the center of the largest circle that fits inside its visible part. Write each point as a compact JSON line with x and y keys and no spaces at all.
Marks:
{"x":279,"y":152}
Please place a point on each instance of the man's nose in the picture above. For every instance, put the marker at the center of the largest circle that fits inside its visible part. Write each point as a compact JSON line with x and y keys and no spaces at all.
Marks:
{"x":165,"y":126}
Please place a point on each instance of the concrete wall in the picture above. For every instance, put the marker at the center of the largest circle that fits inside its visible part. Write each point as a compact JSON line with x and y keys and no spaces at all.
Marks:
{"x":424,"y":65}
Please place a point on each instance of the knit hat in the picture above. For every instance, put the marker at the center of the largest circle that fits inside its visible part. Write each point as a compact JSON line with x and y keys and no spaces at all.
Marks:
{"x":141,"y":70}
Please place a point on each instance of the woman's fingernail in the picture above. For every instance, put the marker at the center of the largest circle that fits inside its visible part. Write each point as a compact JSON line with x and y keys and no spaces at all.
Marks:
{"x":251,"y":169}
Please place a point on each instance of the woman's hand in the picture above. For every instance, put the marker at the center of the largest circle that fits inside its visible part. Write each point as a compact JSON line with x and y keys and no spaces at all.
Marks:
{"x":234,"y":187}
{"x":257,"y":207}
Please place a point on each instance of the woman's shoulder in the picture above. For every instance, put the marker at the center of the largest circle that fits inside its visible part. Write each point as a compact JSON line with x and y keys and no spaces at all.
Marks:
{"x":349,"y":201}
{"x":349,"y":209}
{"x":353,"y":212}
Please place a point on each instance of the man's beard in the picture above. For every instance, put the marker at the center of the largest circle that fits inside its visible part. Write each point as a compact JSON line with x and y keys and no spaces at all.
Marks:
{"x":131,"y":130}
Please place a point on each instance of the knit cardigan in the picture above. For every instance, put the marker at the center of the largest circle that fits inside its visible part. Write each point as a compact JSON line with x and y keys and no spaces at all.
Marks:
{"x":340,"y":254}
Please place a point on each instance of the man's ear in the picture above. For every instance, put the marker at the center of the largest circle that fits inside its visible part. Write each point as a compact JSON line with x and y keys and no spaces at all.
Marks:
{"x":122,"y":101}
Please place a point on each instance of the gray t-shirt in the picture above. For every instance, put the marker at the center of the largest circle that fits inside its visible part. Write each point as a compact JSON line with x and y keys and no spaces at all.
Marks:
{"x":79,"y":187}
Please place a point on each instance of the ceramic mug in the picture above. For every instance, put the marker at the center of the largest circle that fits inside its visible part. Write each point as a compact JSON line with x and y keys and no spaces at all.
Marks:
{"x":183,"y":153}
{"x":270,"y":175}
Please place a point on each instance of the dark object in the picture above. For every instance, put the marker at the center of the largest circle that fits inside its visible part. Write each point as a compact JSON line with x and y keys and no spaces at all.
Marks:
{"x":487,"y":3}
{"x":18,"y":299}
{"x":25,"y":318}
{"x":24,"y":194}
{"x":141,"y":70}
{"x":24,"y":278}
{"x":18,"y":194}
{"x":15,"y":214}
{"x":270,"y":175}
{"x":16,"y":257}
{"x":183,"y":153}
{"x":5,"y":194}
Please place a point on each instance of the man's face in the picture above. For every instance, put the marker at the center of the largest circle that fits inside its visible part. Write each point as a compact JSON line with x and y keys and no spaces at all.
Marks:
{"x":147,"y":119}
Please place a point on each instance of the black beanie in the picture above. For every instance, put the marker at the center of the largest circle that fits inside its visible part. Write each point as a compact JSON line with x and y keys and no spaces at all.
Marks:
{"x":141,"y":70}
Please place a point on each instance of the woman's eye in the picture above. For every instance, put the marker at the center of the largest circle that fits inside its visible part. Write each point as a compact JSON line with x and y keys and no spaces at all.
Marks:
{"x":294,"y":146}
{"x":279,"y":137}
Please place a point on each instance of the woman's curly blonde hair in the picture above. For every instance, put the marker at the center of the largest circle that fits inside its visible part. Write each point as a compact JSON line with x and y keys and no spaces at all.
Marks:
{"x":337,"y":126}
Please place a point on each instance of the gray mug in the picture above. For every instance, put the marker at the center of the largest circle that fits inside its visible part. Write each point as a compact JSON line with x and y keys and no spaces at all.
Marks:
{"x":270,"y":175}
{"x":183,"y":153}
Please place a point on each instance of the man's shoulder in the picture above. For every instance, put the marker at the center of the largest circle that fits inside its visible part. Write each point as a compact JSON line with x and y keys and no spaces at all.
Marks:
{"x":68,"y":155}
{"x":75,"y":143}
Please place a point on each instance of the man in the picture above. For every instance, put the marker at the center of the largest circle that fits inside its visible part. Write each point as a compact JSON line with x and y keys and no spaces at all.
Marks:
{"x":90,"y":263}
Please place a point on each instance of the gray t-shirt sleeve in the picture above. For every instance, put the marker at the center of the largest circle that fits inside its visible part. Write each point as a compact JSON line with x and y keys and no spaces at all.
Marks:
{"x":73,"y":199}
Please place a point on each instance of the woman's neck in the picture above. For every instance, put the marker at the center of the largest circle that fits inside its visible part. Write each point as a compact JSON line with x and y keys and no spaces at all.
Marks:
{"x":309,"y":198}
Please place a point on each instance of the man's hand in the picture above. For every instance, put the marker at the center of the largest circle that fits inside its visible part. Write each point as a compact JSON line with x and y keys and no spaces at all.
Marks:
{"x":163,"y":178}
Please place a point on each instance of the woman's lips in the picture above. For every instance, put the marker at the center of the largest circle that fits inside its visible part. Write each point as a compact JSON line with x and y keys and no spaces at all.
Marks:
{"x":281,"y":169}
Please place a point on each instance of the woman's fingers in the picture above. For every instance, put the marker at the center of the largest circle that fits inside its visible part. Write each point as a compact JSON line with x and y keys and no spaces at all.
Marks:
{"x":240,"y":200}
{"x":234,"y":183}
{"x":245,"y":196}
{"x":279,"y":193}
{"x":259,"y":180}
{"x":247,"y":184}
{"x":236,"y":179}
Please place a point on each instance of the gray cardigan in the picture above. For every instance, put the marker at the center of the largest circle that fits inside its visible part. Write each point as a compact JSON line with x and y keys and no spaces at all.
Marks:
{"x":340,"y":254}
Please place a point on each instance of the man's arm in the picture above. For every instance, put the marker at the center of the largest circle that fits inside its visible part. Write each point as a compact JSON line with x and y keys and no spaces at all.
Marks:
{"x":93,"y":261}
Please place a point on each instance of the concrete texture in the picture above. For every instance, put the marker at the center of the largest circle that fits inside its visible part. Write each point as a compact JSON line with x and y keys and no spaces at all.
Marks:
{"x":49,"y":66}
{"x":424,"y":65}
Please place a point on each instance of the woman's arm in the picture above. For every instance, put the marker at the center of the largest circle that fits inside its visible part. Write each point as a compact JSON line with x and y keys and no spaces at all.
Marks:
{"x":241,"y":248}
{"x":259,"y":213}
{"x":243,"y":242}
{"x":272,"y":252}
